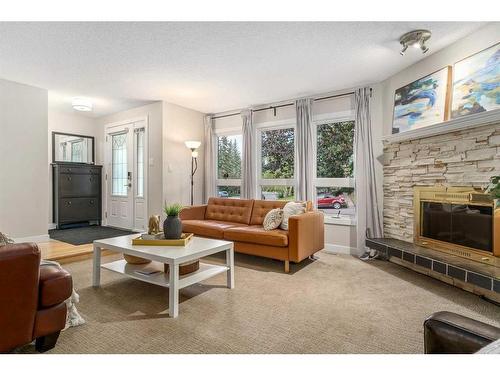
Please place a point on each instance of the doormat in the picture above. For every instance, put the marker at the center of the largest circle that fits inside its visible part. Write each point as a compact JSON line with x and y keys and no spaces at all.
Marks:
{"x":86,"y":235}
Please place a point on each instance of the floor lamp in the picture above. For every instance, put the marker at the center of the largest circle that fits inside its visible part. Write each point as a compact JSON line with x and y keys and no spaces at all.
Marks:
{"x":193,"y":146}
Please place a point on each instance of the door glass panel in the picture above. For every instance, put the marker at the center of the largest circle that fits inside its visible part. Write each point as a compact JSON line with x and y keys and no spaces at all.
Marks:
{"x":76,"y":151}
{"x":119,"y":164}
{"x":140,"y":163}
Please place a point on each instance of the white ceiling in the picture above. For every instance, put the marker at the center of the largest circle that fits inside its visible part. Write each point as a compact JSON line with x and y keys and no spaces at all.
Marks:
{"x":210,"y":67}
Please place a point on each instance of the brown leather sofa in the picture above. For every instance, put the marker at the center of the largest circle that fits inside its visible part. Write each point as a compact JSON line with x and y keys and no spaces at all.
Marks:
{"x":449,"y":333}
{"x":240,"y":221}
{"x":32,"y":298}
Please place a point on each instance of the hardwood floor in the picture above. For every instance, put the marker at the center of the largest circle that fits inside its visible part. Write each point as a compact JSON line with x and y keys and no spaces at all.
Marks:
{"x":63,"y":252}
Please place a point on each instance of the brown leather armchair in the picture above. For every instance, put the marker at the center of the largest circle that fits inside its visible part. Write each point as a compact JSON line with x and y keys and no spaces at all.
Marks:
{"x":449,"y":333}
{"x":32,"y":298}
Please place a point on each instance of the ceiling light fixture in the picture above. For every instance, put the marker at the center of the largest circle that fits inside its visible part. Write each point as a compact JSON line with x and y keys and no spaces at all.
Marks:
{"x":81,"y":104}
{"x":416,"y":38}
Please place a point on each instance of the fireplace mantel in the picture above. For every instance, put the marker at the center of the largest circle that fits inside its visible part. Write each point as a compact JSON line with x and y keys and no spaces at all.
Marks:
{"x":461,"y":123}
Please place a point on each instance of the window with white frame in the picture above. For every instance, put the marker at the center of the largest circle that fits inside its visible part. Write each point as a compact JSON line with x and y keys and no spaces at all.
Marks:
{"x":334,"y":181}
{"x":229,"y":147}
{"x":139,"y":144}
{"x":276,"y":163}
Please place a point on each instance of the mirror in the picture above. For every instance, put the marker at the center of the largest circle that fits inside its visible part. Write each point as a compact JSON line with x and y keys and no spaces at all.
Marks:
{"x":72,"y":148}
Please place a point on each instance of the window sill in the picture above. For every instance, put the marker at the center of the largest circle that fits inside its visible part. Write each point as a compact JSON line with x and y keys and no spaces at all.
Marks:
{"x":348,"y":221}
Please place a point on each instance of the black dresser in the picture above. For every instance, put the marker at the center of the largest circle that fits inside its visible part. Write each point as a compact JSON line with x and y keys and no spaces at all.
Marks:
{"x":77,"y":193}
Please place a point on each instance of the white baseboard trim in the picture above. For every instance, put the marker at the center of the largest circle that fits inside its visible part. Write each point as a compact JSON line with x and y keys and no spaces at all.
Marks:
{"x":338,"y":249}
{"x":52,"y":226}
{"x":40,"y":238}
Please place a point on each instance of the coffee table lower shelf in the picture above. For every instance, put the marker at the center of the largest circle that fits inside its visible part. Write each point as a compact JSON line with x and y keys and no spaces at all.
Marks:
{"x":160,"y":278}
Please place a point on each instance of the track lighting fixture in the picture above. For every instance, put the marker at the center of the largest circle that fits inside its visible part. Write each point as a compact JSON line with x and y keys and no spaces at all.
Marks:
{"x":416,"y":39}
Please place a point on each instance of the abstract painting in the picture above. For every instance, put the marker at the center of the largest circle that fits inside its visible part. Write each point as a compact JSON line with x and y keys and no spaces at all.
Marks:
{"x":422,"y":103}
{"x":476,"y":83}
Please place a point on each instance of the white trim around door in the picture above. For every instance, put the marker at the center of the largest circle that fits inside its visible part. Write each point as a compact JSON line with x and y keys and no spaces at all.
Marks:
{"x":126,"y":174}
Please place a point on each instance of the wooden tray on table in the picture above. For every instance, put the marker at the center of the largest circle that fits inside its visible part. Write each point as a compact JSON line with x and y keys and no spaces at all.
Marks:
{"x":183,"y":241}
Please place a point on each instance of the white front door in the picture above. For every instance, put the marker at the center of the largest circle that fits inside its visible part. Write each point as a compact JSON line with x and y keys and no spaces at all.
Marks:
{"x":126,"y":176}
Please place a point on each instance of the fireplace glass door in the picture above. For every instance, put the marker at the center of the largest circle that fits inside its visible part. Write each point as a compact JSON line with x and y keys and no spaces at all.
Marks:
{"x":461,"y":224}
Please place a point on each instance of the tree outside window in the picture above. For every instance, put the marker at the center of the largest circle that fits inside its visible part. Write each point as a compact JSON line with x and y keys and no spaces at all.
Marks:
{"x":229,"y":165}
{"x":229,"y":157}
{"x":335,"y":150}
{"x":335,"y":168}
{"x":277,"y":158}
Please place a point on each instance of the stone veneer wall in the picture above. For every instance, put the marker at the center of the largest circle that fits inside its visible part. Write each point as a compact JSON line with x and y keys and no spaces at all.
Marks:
{"x":463,"y":158}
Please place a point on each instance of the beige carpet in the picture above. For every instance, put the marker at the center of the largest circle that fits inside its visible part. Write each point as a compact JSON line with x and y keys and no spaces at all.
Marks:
{"x":336,"y":304}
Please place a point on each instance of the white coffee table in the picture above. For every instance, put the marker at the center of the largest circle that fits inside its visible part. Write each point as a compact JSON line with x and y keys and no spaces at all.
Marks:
{"x":173,"y":256}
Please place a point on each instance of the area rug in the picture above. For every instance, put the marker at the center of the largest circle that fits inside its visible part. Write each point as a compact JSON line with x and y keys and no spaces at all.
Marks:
{"x":335,"y":304}
{"x":85,"y":235}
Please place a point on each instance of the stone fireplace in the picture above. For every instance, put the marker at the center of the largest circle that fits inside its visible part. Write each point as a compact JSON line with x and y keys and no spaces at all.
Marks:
{"x":466,"y":159}
{"x":463,"y":158}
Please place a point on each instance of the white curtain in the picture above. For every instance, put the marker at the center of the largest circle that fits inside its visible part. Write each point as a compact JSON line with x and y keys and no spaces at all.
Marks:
{"x":210,"y":149}
{"x":369,"y":216}
{"x":248,"y":156}
{"x":304,"y":139}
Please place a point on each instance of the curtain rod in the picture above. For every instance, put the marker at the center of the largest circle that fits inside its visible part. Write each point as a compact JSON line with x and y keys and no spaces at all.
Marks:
{"x":273,"y":107}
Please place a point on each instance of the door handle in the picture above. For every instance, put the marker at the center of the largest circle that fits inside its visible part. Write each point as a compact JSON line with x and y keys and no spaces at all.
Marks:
{"x":129,"y":185}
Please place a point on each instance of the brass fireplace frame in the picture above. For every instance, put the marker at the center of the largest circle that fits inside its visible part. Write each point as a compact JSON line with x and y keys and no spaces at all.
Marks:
{"x":457,"y":195}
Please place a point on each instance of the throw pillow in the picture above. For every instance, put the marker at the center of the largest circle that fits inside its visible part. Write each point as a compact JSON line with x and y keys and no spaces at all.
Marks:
{"x":292,"y":208}
{"x":273,"y":219}
{"x":4,"y":240}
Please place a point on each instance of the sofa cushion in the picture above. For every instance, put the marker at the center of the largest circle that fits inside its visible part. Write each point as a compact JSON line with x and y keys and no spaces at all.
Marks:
{"x":261,"y":208}
{"x":258,"y":235}
{"x":231,"y":210}
{"x":208,"y":228}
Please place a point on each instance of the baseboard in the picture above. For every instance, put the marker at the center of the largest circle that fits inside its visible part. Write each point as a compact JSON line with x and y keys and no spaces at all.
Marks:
{"x":339,"y":249}
{"x":40,"y":238}
{"x":52,"y":226}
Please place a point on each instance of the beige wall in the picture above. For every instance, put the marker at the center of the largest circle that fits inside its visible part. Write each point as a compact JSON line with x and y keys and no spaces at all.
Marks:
{"x":340,"y":238}
{"x":169,"y":160}
{"x":73,"y":123}
{"x":181,"y":124}
{"x":475,"y":42}
{"x":23,"y":160}
{"x":155,"y":164}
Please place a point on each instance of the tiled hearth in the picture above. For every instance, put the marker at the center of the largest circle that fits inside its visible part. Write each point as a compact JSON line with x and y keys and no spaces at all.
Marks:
{"x":475,"y":277}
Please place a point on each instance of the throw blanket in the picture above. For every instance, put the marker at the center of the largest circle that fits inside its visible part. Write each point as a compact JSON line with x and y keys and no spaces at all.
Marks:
{"x":73,"y":318}
{"x":493,"y":348}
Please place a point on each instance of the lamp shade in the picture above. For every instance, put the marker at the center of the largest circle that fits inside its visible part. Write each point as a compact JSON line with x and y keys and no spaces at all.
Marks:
{"x":192,"y":145}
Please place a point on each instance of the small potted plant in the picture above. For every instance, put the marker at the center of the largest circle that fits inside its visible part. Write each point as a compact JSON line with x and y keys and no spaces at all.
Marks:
{"x":172,"y":226}
{"x":494,"y":189}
